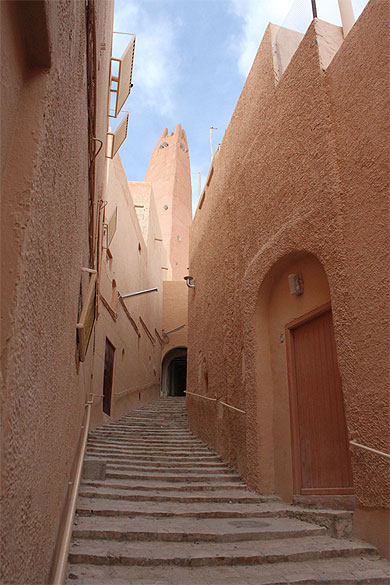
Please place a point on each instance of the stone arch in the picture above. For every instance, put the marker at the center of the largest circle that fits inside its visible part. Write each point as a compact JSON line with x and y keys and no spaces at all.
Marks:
{"x":174,"y":372}
{"x":276,"y":307}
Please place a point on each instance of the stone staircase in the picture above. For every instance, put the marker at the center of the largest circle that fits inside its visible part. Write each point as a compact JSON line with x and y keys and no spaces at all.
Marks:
{"x":170,"y":512}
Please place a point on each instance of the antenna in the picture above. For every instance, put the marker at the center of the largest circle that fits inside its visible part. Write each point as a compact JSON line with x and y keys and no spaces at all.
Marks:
{"x":211,"y":140}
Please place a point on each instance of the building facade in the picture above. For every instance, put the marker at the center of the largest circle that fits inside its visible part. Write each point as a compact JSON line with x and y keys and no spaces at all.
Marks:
{"x":77,"y":239}
{"x":288,"y":318}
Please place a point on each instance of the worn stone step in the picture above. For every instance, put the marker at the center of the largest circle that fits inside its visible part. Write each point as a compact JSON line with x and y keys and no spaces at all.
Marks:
{"x":160,"y":486}
{"x":104,"y":442}
{"x":222,"y":496}
{"x":115,"y":473}
{"x":149,"y":433}
{"x":106,"y":507}
{"x":338,"y":571}
{"x":192,"y":530}
{"x":163,"y":468}
{"x":166,"y":463}
{"x":150,"y":451}
{"x":338,"y":523}
{"x":137,"y":440}
{"x":185,"y":554}
{"x":208,"y":458}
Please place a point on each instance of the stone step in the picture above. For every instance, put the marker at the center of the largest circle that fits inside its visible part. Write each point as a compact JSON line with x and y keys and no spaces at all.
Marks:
{"x":164,"y":463}
{"x":337,"y":571}
{"x":161,"y":486}
{"x":115,"y":473}
{"x":192,"y":530}
{"x":175,"y":514}
{"x":222,"y":496}
{"x":104,"y":438}
{"x":154,"y":457}
{"x":168,"y":445}
{"x":106,"y":507}
{"x":153,"y":433}
{"x":338,"y":523}
{"x":157,"y":458}
{"x":210,"y":554}
{"x":150,"y":451}
{"x":175,"y":427}
{"x":168,"y":469}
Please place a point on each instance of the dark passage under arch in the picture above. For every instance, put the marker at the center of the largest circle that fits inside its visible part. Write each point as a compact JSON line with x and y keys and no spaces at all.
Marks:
{"x":174,"y":372}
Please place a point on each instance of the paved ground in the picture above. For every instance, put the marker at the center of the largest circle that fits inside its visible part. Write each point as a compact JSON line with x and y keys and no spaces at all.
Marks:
{"x":170,"y":512}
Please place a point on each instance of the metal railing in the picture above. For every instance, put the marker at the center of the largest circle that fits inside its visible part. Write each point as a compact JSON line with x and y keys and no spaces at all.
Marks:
{"x":63,"y":550}
{"x":382,"y":453}
{"x":200,"y":396}
{"x":216,"y":400}
{"x":135,"y":389}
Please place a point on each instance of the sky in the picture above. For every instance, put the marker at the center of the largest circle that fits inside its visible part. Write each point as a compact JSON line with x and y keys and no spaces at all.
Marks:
{"x":191,"y":61}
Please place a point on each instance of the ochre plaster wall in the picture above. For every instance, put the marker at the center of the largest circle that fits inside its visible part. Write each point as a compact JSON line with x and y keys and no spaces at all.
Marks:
{"x":302,"y":170}
{"x":44,"y":231}
{"x":276,"y":307}
{"x":175,"y":314}
{"x":133,"y":262}
{"x":169,"y":173}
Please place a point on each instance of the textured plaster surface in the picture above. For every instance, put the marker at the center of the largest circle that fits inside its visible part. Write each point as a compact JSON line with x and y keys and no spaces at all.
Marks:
{"x":44,"y":244}
{"x":302,"y":171}
{"x":175,"y":314}
{"x":134,"y":265}
{"x":169,"y":173}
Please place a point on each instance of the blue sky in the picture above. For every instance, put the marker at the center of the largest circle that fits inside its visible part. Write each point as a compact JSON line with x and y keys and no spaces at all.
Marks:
{"x":191,"y":61}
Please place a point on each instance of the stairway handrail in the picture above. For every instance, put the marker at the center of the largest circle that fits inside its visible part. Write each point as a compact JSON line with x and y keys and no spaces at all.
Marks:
{"x":355,"y":444}
{"x":63,"y":552}
{"x":216,"y":400}
{"x":135,"y":388}
{"x":200,"y":395}
{"x":232,"y":407}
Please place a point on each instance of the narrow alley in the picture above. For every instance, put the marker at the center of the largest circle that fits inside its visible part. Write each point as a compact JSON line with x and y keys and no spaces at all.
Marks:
{"x":194,"y":300}
{"x":158,"y":507}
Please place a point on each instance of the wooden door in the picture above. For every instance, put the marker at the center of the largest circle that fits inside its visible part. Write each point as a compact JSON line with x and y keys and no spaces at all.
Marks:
{"x":319,"y":434}
{"x":108,"y":376}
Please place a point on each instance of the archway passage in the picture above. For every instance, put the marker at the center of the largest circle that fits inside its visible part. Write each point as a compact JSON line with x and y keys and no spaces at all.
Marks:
{"x":174,"y":372}
{"x":301,"y":419}
{"x":177,"y":377}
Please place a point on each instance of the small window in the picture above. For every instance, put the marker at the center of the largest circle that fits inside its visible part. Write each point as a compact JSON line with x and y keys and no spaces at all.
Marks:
{"x":163,"y":145}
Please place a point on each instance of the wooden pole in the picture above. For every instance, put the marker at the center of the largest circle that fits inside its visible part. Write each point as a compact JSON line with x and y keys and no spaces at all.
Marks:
{"x":347,"y":15}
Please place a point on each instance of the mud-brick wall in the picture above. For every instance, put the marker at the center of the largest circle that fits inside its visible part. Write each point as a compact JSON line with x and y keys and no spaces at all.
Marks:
{"x":302,"y":173}
{"x":44,"y":244}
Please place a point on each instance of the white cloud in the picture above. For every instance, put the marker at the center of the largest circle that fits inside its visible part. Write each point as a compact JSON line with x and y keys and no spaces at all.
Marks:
{"x":255,"y":14}
{"x":156,"y":59}
{"x":295,"y":14}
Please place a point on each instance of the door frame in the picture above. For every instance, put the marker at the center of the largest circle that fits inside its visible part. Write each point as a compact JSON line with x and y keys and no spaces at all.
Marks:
{"x":295,"y":442}
{"x":107,"y":341}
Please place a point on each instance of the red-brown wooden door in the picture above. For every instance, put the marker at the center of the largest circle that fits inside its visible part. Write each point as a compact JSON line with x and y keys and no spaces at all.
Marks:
{"x":320,"y":443}
{"x":108,"y":376}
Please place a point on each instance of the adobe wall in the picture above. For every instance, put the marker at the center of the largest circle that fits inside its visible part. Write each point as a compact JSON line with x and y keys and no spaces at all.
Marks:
{"x":132,"y":263}
{"x":301,"y":175}
{"x":169,"y":172}
{"x":44,"y":230}
{"x":175,"y":314}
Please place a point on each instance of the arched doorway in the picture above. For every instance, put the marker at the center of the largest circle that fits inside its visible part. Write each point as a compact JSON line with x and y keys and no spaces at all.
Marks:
{"x":174,"y":372}
{"x":301,"y":419}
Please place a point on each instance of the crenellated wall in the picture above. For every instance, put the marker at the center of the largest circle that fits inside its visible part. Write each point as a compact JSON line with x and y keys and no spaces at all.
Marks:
{"x":299,"y":184}
{"x":169,"y":172}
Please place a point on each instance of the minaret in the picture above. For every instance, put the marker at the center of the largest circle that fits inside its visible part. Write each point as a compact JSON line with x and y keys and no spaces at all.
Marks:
{"x":169,"y":173}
